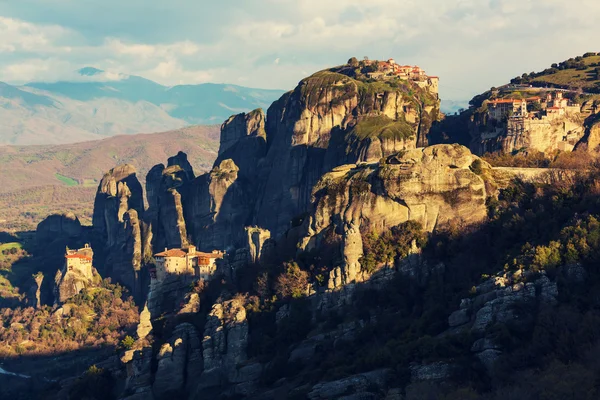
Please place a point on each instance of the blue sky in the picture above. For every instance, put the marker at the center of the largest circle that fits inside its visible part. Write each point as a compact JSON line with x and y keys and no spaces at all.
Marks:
{"x":470,"y":44}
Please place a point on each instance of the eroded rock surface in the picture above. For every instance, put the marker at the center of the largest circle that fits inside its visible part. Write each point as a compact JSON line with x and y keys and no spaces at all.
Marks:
{"x":118,"y":220}
{"x":224,"y":347}
{"x":431,"y":186}
{"x":179,"y":363}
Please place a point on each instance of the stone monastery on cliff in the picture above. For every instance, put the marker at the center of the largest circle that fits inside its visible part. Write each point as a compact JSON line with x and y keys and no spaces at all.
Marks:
{"x":186,"y":261}
{"x":80,"y":259}
{"x":389,"y":69}
{"x":546,"y":123}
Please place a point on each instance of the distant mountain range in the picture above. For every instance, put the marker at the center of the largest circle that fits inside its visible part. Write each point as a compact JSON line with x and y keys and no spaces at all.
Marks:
{"x":36,"y":181}
{"x":100,"y":104}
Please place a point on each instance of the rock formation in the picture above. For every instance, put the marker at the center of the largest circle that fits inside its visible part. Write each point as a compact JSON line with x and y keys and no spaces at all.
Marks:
{"x":76,"y":275}
{"x":224,"y":350}
{"x":257,"y":243}
{"x":65,"y":226}
{"x":34,"y":294}
{"x":499,"y":300}
{"x":179,"y":363}
{"x":117,"y":219}
{"x":218,"y":208}
{"x":267,"y":165}
{"x":430,"y":185}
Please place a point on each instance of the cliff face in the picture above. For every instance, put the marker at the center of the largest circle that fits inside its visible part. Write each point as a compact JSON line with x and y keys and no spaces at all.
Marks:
{"x":118,"y":221}
{"x":508,"y":120}
{"x":356,"y":140}
{"x":74,"y":277}
{"x":430,"y":185}
{"x":267,"y":165}
{"x":331,"y":119}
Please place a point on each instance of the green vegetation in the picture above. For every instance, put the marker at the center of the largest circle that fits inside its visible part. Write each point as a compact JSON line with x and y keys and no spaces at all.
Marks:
{"x":391,"y":246}
{"x":66,"y":180}
{"x":96,"y":383}
{"x":477,"y":167}
{"x":292,"y":283}
{"x":382,"y":127}
{"x":93,"y":318}
{"x":127,"y":343}
{"x":581,"y":72}
{"x":535,"y":159}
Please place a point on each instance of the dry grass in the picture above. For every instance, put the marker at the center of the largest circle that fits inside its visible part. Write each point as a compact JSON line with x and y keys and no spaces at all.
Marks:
{"x":36,"y":181}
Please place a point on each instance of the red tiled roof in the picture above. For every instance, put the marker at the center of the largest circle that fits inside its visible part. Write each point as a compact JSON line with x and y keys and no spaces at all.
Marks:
{"x":182,"y":253}
{"x":210,"y":255}
{"x":81,"y":256}
{"x":505,"y":101}
{"x":172,"y":253}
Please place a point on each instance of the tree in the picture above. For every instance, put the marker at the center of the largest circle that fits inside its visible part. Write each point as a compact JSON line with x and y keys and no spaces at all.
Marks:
{"x":291,"y":283}
{"x":353,"y":62}
{"x":128,"y":342}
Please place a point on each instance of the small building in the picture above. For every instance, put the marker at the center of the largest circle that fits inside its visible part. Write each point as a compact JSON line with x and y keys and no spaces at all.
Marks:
{"x":498,"y":109}
{"x":79,"y":259}
{"x":186,"y":261}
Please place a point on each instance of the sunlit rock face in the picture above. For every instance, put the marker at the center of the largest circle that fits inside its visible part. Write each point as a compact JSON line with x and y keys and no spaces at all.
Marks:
{"x":430,"y":185}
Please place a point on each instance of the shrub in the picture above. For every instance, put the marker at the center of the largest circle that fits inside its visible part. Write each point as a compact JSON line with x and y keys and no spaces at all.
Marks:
{"x":390,"y":246}
{"x":291,"y":283}
{"x":127,"y":343}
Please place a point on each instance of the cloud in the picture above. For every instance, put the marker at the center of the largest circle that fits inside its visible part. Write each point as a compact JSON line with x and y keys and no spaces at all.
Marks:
{"x":470,"y":44}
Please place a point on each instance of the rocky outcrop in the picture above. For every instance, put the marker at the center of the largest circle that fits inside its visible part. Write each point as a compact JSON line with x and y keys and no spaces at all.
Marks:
{"x":244,"y":140}
{"x":76,"y":275}
{"x":431,"y":372}
{"x":165,"y":296}
{"x":224,"y":348}
{"x":119,"y":191}
{"x":328,"y":120}
{"x":179,"y":363}
{"x":370,"y":385}
{"x":258,"y":241}
{"x":117,"y":219}
{"x":500,"y":300}
{"x":219,"y":208}
{"x":242,"y":126}
{"x":138,"y":368}
{"x":57,"y":226}
{"x":432,"y":186}
{"x":267,"y":166}
{"x":166,"y":194}
{"x":34,"y":294}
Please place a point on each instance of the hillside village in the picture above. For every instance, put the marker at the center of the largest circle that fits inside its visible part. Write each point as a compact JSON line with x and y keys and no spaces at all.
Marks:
{"x":544,"y":122}
{"x":187,"y":261}
{"x":389,"y":70}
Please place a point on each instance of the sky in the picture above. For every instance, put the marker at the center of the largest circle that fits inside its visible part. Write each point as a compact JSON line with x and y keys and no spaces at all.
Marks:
{"x":470,"y":44}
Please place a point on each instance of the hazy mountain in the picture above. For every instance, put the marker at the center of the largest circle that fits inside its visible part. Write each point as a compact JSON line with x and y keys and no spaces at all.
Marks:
{"x":97,"y":104}
{"x":38,"y":180}
{"x":449,"y":107}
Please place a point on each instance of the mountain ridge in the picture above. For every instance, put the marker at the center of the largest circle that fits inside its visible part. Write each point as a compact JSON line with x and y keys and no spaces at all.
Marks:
{"x":102,"y":104}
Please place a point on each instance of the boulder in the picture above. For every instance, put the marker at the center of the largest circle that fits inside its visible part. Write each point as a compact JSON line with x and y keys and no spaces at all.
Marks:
{"x":367,"y":385}
{"x":431,"y":372}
